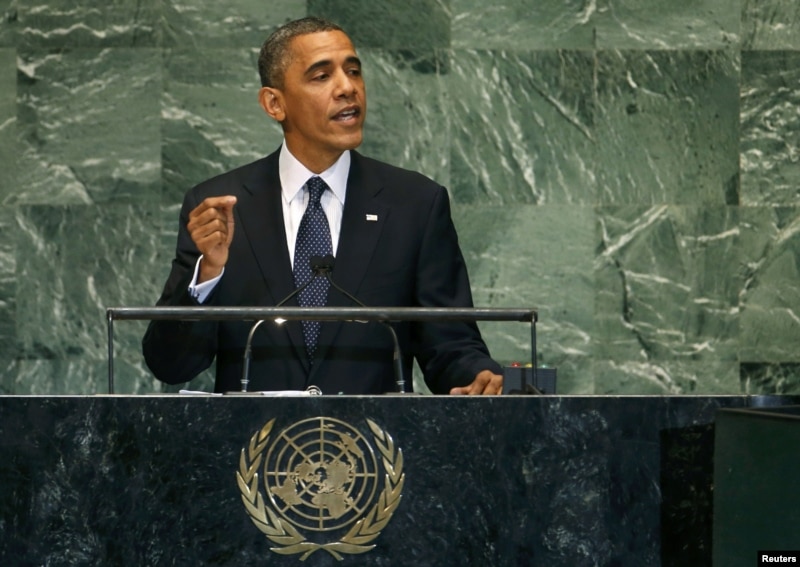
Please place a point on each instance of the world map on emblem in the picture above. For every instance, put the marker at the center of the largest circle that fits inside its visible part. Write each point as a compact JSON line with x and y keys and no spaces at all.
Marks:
{"x":321,"y":474}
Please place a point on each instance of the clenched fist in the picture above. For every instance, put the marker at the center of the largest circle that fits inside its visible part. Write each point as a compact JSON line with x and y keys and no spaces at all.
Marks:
{"x":211,"y":228}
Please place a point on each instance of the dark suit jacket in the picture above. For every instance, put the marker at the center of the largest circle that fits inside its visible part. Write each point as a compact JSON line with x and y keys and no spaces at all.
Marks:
{"x":408,"y":257}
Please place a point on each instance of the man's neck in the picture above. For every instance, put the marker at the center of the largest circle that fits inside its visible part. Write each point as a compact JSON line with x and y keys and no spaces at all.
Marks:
{"x":316,"y":163}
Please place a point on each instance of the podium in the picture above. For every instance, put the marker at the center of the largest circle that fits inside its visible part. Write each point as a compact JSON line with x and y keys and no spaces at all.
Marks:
{"x":505,"y":480}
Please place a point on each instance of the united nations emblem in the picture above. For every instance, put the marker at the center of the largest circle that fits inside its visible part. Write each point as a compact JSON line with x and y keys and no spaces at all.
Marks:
{"x":323,"y":487}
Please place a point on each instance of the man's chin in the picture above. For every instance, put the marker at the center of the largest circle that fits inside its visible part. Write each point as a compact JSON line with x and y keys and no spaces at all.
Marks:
{"x":351,"y":142}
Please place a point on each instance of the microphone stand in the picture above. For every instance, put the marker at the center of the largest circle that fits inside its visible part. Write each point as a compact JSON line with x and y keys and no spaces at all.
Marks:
{"x":397,"y":360}
{"x":318,"y":269}
{"x":247,"y":356}
{"x":322,"y":266}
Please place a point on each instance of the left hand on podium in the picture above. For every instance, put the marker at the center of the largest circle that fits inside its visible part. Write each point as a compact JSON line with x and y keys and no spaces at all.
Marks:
{"x":485,"y":383}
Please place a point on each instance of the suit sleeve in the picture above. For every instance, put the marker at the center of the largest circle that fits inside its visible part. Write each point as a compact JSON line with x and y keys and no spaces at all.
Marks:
{"x":177,"y":351}
{"x":450,"y":354}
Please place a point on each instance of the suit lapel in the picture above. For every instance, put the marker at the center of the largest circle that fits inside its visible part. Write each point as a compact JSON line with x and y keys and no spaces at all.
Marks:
{"x":261,"y":217}
{"x":362,"y":222}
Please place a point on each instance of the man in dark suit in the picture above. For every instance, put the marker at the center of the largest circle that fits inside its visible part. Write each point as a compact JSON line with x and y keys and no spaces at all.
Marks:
{"x":244,"y":240}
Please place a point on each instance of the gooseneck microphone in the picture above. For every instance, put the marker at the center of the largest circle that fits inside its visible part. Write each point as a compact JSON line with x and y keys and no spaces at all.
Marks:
{"x":328,"y":261}
{"x":319,"y":267}
{"x":323,"y":266}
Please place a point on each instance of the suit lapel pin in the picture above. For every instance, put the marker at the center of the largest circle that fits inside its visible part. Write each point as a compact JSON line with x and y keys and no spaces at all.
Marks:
{"x":372,"y":218}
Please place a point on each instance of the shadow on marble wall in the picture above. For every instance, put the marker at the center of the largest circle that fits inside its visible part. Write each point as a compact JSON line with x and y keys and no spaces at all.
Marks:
{"x":628,"y":168}
{"x":773,"y":378}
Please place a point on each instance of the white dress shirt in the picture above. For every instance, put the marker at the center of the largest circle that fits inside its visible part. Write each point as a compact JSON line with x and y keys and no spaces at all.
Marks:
{"x":294,"y":201}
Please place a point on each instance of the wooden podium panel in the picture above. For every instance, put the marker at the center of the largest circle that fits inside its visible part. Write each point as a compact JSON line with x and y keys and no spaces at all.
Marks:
{"x":202,"y":480}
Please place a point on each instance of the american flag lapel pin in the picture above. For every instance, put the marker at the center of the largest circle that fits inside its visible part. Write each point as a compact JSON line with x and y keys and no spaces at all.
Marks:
{"x":372,"y":218}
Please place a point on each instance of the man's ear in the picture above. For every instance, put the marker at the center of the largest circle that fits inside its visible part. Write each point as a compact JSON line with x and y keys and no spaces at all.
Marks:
{"x":271,"y":101}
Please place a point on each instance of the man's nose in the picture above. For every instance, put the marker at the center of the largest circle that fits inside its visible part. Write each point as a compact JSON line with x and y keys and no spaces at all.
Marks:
{"x":346,"y":85}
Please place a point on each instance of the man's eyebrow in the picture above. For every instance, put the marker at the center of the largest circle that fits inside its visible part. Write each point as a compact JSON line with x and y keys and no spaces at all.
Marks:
{"x":327,"y":63}
{"x":353,"y":60}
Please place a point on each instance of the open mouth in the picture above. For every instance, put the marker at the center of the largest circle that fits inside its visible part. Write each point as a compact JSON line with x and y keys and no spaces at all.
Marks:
{"x":347,"y":114}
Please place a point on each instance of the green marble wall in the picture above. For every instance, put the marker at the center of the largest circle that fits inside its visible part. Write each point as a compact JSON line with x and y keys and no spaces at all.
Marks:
{"x":631,"y":168}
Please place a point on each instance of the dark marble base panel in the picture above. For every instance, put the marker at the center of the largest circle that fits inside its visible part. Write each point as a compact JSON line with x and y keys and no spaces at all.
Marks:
{"x":552,"y":481}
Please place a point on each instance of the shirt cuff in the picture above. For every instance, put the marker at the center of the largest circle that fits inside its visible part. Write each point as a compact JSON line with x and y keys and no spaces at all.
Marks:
{"x":201,"y":291}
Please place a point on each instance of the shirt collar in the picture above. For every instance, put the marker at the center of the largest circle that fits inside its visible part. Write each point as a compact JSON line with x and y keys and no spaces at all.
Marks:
{"x":294,"y":175}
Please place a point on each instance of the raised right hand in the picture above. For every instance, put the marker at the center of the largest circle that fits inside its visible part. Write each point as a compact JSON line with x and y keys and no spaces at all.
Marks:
{"x":211,"y":228}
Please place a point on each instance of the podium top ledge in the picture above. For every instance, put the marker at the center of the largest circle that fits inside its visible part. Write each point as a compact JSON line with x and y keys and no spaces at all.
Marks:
{"x":254,"y":313}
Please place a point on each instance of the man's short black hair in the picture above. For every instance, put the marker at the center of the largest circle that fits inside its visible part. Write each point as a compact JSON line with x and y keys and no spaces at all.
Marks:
{"x":275,"y":54}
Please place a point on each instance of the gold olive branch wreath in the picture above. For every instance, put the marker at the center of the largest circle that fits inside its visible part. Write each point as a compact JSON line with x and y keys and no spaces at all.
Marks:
{"x":284,"y":534}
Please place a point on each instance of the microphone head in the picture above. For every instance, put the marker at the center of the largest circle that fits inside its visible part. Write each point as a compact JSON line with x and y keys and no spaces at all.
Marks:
{"x":322,"y":264}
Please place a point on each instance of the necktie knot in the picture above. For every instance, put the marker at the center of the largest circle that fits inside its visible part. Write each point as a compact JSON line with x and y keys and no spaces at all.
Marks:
{"x":316,"y":187}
